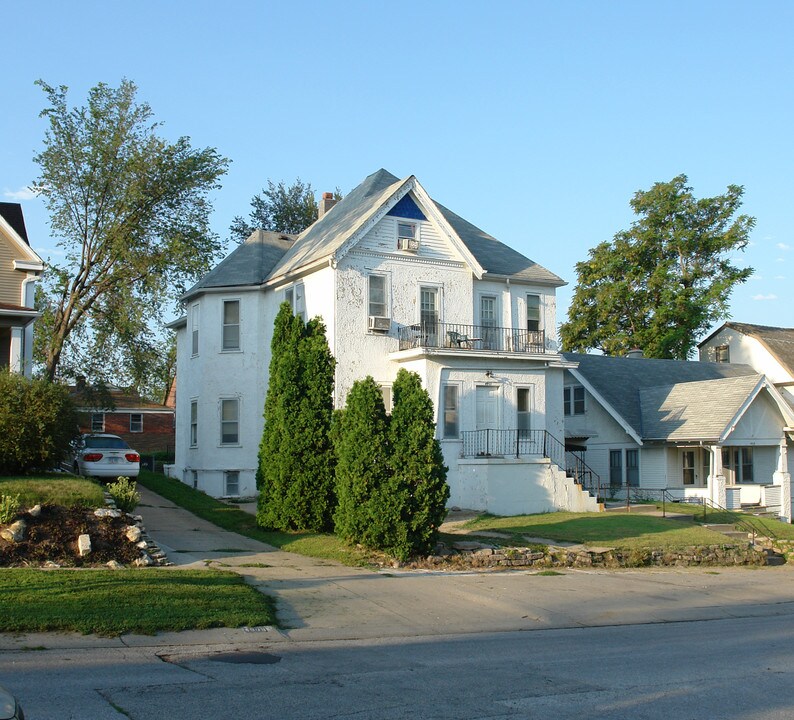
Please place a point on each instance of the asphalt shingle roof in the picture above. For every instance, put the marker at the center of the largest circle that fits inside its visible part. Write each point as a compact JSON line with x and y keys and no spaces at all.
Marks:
{"x":619,"y":380}
{"x":779,"y":341}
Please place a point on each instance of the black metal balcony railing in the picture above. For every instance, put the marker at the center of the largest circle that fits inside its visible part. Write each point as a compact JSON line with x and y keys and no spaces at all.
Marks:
{"x":529,"y":443}
{"x":471,"y":337}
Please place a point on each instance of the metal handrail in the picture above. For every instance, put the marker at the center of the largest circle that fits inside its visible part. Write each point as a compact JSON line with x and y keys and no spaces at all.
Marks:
{"x":459,"y":336}
{"x":735,"y":521}
{"x":541,"y":443}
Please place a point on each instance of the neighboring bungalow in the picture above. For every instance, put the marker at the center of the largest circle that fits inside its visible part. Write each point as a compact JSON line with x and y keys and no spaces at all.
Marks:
{"x":147,"y":427}
{"x":695,"y":429}
{"x":20,"y":267}
{"x":769,"y":350}
{"x":400,"y":281}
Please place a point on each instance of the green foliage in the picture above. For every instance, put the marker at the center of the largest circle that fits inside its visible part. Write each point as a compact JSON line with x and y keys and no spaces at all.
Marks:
{"x":418,"y":487}
{"x":55,"y":489}
{"x":663,"y":282}
{"x":125,"y":494}
{"x":279,"y":209}
{"x":37,"y":423}
{"x":132,"y":214}
{"x":9,"y":507}
{"x":391,"y":478}
{"x":362,"y":469}
{"x":296,"y":462}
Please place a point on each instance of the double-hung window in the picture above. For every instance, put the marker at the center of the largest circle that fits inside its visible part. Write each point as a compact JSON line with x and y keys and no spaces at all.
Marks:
{"x":231,"y":483}
{"x":524,"y":408}
{"x":231,"y":325}
{"x":573,"y":400}
{"x":194,"y":423}
{"x":230,"y":421}
{"x":136,"y":422}
{"x":378,"y":306}
{"x":296,"y":297}
{"x":722,"y":354}
{"x":407,"y":236}
{"x":533,"y":313}
{"x":451,"y":411}
{"x":97,"y":422}
{"x":194,"y":329}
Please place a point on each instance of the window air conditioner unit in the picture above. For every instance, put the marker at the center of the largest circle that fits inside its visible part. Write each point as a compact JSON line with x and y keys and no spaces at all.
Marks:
{"x":379,"y":324}
{"x":409,"y":244}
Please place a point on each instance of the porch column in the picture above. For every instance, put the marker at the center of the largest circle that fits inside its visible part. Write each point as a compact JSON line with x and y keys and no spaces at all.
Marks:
{"x":782,"y":477}
{"x":15,"y":356}
{"x":716,"y":481}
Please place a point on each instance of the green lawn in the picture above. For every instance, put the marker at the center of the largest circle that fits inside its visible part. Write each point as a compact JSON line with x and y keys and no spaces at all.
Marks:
{"x":763,"y":525}
{"x":604,"y":529}
{"x":112,"y":602}
{"x":311,"y":544}
{"x":55,"y":489}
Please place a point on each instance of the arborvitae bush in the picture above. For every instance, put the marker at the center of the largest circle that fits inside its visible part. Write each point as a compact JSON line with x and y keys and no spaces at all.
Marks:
{"x":362,"y":468}
{"x":296,"y":460}
{"x":417,"y":491}
{"x":38,"y":421}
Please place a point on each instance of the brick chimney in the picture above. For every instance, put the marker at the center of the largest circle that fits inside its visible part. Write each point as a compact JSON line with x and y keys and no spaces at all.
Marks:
{"x":326,"y":203}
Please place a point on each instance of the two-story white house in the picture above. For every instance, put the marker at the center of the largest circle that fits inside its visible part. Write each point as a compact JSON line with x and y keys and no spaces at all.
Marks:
{"x":400,"y":282}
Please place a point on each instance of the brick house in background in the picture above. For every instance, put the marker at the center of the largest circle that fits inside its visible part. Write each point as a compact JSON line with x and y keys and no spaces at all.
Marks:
{"x":146,"y":426}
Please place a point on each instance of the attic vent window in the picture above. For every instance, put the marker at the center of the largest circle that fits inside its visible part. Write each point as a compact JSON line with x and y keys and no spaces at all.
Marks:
{"x":407,"y":237}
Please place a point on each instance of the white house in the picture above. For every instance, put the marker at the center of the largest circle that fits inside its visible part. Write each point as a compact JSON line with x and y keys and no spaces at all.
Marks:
{"x":400,"y":281}
{"x":769,"y":350}
{"x":695,"y":429}
{"x":20,"y":267}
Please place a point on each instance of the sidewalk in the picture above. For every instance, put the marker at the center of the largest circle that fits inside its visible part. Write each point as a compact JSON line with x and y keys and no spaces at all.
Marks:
{"x":320,"y":600}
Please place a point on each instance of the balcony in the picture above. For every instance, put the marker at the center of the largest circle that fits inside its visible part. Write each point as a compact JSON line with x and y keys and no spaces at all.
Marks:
{"x":485,"y":338}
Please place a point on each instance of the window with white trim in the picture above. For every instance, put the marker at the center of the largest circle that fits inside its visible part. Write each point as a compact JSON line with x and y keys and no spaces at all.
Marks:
{"x":231,"y":325}
{"x":296,"y":297}
{"x":194,"y":478}
{"x":385,"y":391}
{"x":376,"y":292}
{"x":194,"y":423}
{"x":231,"y":483}
{"x":194,"y":329}
{"x":136,"y":422}
{"x":573,"y":400}
{"x":451,"y":412}
{"x":98,"y":422}
{"x":722,"y":354}
{"x":407,"y":236}
{"x":230,"y":421}
{"x":523,"y":408}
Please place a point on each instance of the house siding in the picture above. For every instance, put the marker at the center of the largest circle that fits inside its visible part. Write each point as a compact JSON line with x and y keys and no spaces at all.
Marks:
{"x":10,"y":279}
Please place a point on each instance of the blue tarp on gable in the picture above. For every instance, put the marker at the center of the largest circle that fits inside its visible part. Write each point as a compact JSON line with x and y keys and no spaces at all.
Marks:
{"x":407,"y":208}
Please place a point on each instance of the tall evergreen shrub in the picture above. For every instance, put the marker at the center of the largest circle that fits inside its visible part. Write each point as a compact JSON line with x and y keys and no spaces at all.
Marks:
{"x":417,"y":491}
{"x":295,"y":475}
{"x":362,"y":468}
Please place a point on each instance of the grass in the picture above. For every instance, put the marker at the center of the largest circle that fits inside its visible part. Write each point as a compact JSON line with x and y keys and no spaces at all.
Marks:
{"x":781,"y":530}
{"x":112,"y":602}
{"x":610,"y":529}
{"x":311,"y":544}
{"x":55,"y":489}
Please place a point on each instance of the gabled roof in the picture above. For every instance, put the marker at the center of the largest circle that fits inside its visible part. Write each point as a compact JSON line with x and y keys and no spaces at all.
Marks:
{"x":265,"y":256}
{"x":701,"y":410}
{"x":122,"y":400}
{"x":777,"y":340}
{"x":12,"y":214}
{"x":12,"y":223}
{"x":617,"y":381}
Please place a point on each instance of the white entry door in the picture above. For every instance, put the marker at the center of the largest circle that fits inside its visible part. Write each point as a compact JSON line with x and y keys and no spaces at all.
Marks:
{"x":487,"y":407}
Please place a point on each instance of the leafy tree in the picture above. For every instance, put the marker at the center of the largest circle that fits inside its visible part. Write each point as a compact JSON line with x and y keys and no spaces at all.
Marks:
{"x":362,"y":468}
{"x":131,"y":212}
{"x":278,"y":208}
{"x":418,"y":480}
{"x":661,"y":283}
{"x":296,"y":461}
{"x":37,"y":422}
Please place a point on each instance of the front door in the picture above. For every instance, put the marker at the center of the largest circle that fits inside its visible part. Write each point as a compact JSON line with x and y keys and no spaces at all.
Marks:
{"x":487,"y":407}
{"x":688,"y":467}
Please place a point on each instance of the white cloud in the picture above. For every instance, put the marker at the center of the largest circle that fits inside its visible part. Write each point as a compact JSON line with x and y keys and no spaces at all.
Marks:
{"x":24,"y":193}
{"x":765,"y":297}
{"x":780,"y":260}
{"x":756,"y":277}
{"x":780,"y":277}
{"x":782,"y":246}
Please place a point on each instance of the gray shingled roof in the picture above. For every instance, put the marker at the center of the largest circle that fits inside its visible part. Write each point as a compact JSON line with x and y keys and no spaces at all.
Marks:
{"x":249,"y":264}
{"x":619,"y":380}
{"x":694,"y":410}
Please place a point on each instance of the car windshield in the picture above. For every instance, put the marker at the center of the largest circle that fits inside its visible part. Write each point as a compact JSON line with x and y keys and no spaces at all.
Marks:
{"x":110,"y":443}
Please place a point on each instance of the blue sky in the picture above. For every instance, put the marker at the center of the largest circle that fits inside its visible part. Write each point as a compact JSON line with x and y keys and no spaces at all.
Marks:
{"x":536,"y":121}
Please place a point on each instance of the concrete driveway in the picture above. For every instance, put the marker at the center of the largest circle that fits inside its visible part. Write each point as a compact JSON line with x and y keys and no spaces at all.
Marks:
{"x":320,"y":599}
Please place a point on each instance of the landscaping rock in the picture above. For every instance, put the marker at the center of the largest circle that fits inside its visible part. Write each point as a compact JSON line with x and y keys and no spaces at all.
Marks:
{"x":84,"y":545}
{"x":50,"y":564}
{"x":15,"y":532}
{"x":35,"y":511}
{"x":133,"y":533}
{"x":107,"y":512}
{"x":145,"y":560}
{"x":114,"y":565}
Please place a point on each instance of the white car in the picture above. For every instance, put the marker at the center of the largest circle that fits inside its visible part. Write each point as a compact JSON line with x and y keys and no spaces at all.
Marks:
{"x":103,"y":455}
